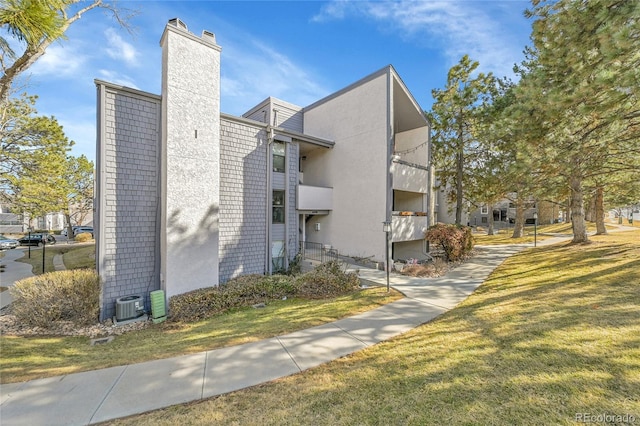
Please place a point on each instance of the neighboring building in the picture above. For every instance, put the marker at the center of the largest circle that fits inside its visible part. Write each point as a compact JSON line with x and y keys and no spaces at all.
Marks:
{"x":15,"y":223}
{"x":504,"y":213}
{"x":10,"y":222}
{"x":189,"y":197}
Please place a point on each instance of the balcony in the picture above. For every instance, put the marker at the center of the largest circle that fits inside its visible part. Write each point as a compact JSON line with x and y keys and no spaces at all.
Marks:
{"x":409,"y":177}
{"x":408,"y":226}
{"x":314,"y":199}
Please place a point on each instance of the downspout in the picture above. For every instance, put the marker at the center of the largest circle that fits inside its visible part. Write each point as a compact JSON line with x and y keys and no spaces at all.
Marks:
{"x":389,"y":161}
{"x":287,"y":215}
{"x":269,"y":200}
{"x":430,"y":177}
{"x":100,"y":183}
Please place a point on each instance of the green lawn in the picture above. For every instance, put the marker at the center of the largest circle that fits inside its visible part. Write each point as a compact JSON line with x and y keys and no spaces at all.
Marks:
{"x":541,"y":232}
{"x":74,"y":256}
{"x":554,"y":332}
{"x":27,"y":358}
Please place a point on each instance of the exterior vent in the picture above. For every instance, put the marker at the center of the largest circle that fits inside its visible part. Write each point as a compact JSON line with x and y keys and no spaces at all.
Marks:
{"x":129,"y":307}
{"x":178,"y":23}
{"x":209,"y":36}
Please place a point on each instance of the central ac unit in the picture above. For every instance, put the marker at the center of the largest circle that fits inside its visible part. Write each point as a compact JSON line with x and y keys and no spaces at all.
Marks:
{"x":129,"y":307}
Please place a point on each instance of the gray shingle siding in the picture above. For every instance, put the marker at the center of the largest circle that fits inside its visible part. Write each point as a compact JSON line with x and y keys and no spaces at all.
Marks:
{"x":243,"y":192}
{"x":292,"y":219}
{"x":289,"y":118}
{"x":128,"y":206}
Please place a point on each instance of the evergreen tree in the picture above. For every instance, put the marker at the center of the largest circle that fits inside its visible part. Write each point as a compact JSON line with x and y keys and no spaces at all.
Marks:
{"x":454,"y":116}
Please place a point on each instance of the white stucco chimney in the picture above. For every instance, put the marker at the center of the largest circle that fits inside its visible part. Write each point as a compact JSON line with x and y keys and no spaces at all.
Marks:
{"x":190,"y":159}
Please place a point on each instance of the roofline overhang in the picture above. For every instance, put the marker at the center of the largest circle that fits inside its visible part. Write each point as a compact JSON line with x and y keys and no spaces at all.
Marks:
{"x":314,"y":140}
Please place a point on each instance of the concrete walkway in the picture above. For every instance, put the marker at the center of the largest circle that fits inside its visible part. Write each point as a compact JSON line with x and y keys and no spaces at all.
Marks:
{"x":96,"y":396}
{"x":13,"y":271}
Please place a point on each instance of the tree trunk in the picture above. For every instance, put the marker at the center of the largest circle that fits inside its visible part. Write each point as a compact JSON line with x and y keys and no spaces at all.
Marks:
{"x":490,"y":231}
{"x":67,"y":218}
{"x":601,"y":229}
{"x":577,"y":211}
{"x":459,"y":174}
{"x":518,"y":227}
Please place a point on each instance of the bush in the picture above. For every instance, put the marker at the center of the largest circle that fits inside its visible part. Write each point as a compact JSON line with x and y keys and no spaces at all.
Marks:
{"x":246,"y":290}
{"x":437,"y":268}
{"x":83,"y":237}
{"x":456,"y":241}
{"x":327,"y":280}
{"x":72,"y":295}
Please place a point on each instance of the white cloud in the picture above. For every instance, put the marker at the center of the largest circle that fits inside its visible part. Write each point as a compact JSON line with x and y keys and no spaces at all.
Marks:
{"x":59,"y":62}
{"x":119,"y":49}
{"x":458,"y":28}
{"x":117,"y":78}
{"x":255,"y":71}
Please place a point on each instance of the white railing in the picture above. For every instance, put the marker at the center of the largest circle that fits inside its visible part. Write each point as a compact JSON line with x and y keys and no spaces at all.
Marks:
{"x":408,"y":228}
{"x":314,"y":198}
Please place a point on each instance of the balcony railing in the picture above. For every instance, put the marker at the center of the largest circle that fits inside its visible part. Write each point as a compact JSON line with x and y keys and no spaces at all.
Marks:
{"x":314,"y":198}
{"x":408,"y":226}
{"x":409,"y":177}
{"x":317,"y":251}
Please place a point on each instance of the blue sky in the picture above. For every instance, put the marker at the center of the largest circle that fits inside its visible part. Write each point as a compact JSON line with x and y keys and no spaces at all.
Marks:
{"x":298,"y":51}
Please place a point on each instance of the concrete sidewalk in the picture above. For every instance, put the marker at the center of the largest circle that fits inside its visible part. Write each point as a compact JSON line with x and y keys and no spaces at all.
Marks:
{"x":14,"y":271}
{"x":96,"y":396}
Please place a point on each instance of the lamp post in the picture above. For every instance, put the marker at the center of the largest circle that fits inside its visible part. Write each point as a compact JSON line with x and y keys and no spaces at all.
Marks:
{"x":29,"y":243}
{"x":386,"y":227}
{"x":44,"y":244}
{"x":535,"y":229}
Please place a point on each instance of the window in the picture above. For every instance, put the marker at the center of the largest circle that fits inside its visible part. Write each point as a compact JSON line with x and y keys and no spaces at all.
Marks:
{"x":484,"y":209}
{"x":278,"y":150}
{"x":278,"y":207}
{"x":277,"y":256}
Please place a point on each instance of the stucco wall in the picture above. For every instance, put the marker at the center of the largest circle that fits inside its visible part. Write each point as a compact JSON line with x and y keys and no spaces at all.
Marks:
{"x":191,"y":157}
{"x":127,"y":194}
{"x":356,"y":167}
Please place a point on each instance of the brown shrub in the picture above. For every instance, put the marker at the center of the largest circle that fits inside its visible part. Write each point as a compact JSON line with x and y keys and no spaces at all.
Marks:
{"x":71,"y":295}
{"x":327,"y":280}
{"x":83,"y":237}
{"x":436,"y":268}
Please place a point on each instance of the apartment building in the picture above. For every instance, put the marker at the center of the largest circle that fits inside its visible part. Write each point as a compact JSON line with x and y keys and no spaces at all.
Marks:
{"x":190,"y":197}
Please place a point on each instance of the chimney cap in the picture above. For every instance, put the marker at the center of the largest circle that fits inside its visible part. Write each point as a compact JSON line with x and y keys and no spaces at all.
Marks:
{"x":178,"y":23}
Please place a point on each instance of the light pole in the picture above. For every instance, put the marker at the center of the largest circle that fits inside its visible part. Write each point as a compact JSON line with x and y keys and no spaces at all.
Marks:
{"x":535,"y":229}
{"x":44,"y":245}
{"x":29,"y":243}
{"x":386,"y":227}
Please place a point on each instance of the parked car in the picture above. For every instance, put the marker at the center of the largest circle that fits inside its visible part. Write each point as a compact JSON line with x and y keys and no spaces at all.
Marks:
{"x":81,"y":229}
{"x":36,"y":239}
{"x":8,"y":243}
{"x":64,"y":231}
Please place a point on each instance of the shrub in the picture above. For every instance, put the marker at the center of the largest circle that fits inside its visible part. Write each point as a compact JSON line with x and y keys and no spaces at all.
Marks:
{"x":437,"y":268}
{"x":456,"y":241}
{"x":246,"y":290}
{"x":83,"y":237}
{"x":71,"y":295}
{"x":327,"y":280}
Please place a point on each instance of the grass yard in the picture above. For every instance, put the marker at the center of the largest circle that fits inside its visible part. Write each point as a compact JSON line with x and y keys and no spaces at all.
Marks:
{"x":504,"y":235}
{"x":74,"y":256}
{"x":554,"y":332}
{"x":27,"y":358}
